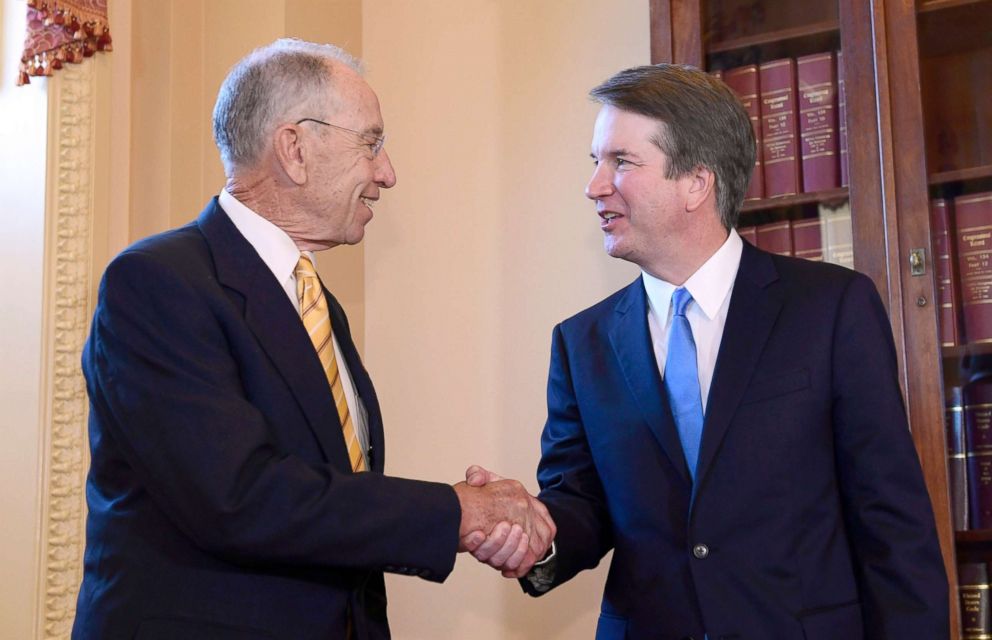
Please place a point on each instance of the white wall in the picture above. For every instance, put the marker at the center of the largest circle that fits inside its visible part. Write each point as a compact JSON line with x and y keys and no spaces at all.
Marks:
{"x":484,"y":244}
{"x":23,"y":117}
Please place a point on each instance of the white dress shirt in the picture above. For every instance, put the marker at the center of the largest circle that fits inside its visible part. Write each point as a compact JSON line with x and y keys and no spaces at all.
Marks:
{"x":278,"y":251}
{"x":710,"y":287}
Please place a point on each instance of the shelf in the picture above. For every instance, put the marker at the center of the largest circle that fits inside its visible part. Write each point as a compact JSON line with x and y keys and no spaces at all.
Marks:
{"x":832,"y":196}
{"x":973,"y":536}
{"x":805,"y":31}
{"x":971,"y":173}
{"x":940,"y":5}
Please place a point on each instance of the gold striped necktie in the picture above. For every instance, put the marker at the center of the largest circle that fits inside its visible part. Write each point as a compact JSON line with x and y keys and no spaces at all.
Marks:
{"x":317,"y":320}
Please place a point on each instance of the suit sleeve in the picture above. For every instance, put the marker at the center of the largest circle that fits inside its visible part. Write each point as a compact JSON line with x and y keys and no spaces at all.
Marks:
{"x":570,"y":485}
{"x":166,"y":390}
{"x":887,"y":510}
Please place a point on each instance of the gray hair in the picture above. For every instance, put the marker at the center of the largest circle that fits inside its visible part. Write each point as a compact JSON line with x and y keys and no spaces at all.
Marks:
{"x":280,"y":82}
{"x":702,"y":123}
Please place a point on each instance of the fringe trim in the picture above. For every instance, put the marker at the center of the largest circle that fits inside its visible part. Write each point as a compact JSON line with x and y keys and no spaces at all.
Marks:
{"x":85,"y":37}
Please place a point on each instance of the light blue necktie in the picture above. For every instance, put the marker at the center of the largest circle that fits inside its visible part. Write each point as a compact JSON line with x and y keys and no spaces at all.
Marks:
{"x":682,"y":380}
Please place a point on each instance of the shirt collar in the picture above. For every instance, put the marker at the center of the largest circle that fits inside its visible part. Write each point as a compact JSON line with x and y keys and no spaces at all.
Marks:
{"x":276,"y":249}
{"x":709,"y":285}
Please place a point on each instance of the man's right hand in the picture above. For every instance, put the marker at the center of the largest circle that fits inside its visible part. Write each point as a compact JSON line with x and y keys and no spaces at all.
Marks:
{"x":502,"y":525}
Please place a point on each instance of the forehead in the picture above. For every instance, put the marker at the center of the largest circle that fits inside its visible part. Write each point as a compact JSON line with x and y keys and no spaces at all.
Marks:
{"x":354,"y":100}
{"x":617,"y":127}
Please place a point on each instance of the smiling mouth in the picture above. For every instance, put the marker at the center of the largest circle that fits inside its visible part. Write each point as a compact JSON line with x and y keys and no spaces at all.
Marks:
{"x":368,"y":202}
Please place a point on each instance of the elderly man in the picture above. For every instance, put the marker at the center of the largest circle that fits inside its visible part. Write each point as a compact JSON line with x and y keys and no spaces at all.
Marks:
{"x":729,"y":424}
{"x":237,"y":487}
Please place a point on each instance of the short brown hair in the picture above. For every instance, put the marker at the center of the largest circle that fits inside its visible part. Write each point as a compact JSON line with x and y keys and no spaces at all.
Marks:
{"x":702,"y":124}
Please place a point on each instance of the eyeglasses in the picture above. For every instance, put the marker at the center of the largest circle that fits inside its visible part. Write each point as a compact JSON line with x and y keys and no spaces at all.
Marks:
{"x":376,"y":146}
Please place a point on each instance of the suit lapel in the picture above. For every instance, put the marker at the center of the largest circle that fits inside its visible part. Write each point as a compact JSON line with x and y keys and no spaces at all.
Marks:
{"x":631,"y":341}
{"x":754,"y":307}
{"x":276,"y":324}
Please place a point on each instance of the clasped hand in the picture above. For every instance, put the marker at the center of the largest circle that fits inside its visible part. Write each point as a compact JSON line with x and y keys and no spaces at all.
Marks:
{"x":502,"y":525}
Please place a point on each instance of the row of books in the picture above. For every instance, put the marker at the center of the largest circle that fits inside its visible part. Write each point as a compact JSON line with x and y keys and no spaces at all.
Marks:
{"x":962,"y":247}
{"x":798,"y":110}
{"x":826,"y":238}
{"x":973,"y":591}
{"x":969,"y":450}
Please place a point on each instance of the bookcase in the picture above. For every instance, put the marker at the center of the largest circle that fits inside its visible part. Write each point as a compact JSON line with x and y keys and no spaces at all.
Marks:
{"x":914,"y":102}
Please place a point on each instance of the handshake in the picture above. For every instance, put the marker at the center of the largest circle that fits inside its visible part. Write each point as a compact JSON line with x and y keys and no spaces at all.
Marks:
{"x":502,"y":525}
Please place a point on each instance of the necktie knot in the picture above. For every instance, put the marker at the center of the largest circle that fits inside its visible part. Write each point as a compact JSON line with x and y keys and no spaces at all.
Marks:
{"x":680,"y":300}
{"x":304,"y":268}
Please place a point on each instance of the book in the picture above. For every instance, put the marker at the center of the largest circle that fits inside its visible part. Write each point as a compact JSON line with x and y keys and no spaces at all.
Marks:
{"x":946,"y":284}
{"x":749,"y":234}
{"x":744,"y":82}
{"x":842,"y":121}
{"x":977,"y":413}
{"x":973,"y":216}
{"x":779,"y":115}
{"x":838,"y":236}
{"x":973,"y":588}
{"x":775,"y":237}
{"x":807,"y":239}
{"x":816,"y":77}
{"x":957,"y":459}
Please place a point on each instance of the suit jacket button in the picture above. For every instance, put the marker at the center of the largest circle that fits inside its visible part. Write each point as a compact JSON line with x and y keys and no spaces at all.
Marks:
{"x":700,"y":551}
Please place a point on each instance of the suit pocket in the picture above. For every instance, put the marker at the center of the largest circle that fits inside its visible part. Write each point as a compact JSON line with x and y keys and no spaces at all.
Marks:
{"x":191,"y":629}
{"x":843,"y":621}
{"x":611,"y":627}
{"x":773,"y":386}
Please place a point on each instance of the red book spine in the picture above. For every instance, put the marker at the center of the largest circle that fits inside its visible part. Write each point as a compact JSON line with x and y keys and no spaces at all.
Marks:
{"x":807,"y":240}
{"x":750,"y":234}
{"x":744,"y":82}
{"x":842,"y":120}
{"x":957,"y":459}
{"x":973,"y":215}
{"x":947,"y":291}
{"x":978,"y":441}
{"x":776,"y":237}
{"x":817,"y":79}
{"x":779,"y":149}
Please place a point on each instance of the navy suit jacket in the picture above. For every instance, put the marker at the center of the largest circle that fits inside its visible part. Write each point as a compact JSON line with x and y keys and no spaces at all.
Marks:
{"x":221,"y":500}
{"x":809,"y":518}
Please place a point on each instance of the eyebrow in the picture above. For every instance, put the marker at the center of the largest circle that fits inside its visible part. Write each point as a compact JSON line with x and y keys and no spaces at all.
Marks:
{"x":613,"y":153}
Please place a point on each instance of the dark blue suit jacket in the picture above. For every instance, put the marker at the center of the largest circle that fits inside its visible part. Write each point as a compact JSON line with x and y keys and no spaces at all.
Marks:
{"x":809,"y":519}
{"x":221,"y":501}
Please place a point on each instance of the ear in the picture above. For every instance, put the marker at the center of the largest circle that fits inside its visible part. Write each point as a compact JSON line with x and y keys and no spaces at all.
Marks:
{"x":290,"y":153}
{"x":702,"y":184}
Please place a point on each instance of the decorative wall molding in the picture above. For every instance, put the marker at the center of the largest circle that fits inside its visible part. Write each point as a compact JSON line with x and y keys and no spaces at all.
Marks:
{"x":69,"y":214}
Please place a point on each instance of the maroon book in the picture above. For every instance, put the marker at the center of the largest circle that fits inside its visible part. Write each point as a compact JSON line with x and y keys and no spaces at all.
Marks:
{"x":780,"y":144}
{"x":750,"y":234}
{"x":775,"y":237}
{"x":817,"y":78}
{"x":977,"y":405}
{"x":957,"y":459}
{"x":842,"y":121}
{"x":948,"y":296}
{"x":973,"y":215}
{"x":973,"y":589}
{"x":744,"y":82}
{"x":807,"y":239}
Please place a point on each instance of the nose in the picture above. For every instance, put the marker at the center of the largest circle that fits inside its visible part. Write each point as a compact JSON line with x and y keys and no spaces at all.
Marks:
{"x":601,"y":183}
{"x":385,"y":175}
